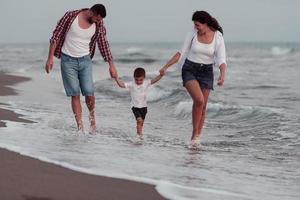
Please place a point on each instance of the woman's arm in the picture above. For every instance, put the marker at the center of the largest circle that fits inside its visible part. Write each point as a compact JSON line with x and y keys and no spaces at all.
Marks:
{"x":184,"y":51}
{"x":221,"y":78}
{"x":221,"y":58}
{"x":120,"y":83}
{"x":172,"y":61}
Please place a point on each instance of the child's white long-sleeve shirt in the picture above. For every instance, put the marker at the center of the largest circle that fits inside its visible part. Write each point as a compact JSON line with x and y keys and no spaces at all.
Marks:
{"x":138,"y":93}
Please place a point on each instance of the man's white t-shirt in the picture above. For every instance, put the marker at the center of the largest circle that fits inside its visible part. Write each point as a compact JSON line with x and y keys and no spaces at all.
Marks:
{"x":138,"y":93}
{"x":77,"y":42}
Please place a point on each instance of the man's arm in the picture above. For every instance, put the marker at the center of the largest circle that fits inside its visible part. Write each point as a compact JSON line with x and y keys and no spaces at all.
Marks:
{"x":112,"y":69}
{"x":57,"y":33}
{"x":120,"y":83}
{"x":59,"y":29}
{"x":104,"y":49}
{"x":49,"y":63}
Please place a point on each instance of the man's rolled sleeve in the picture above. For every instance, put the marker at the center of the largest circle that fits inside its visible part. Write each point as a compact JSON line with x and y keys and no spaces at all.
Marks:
{"x":58,"y":31}
{"x":103,"y":46}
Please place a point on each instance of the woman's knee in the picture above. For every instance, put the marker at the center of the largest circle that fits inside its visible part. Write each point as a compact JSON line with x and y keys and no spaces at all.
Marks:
{"x":199,"y":102}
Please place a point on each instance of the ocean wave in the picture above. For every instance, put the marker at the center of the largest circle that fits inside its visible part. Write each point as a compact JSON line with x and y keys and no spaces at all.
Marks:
{"x":237,"y":112}
{"x":136,"y":60}
{"x":183,"y":108}
{"x":156,"y":93}
{"x":177,"y":192}
{"x":110,"y":90}
{"x":134,"y":50}
{"x":280,"y":51}
{"x":165,"y":188}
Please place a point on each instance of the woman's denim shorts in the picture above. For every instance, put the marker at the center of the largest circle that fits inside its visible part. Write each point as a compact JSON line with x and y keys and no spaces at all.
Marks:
{"x":77,"y":75}
{"x":203,"y":73}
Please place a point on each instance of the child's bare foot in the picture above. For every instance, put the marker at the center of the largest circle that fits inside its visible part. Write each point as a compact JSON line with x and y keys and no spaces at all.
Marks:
{"x":139,"y":136}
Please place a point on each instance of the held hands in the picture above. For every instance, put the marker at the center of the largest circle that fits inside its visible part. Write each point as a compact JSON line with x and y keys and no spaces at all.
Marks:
{"x":49,"y":65}
{"x":162,"y":71}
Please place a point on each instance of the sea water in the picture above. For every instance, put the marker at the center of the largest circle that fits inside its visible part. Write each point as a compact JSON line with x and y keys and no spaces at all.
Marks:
{"x":250,"y":144}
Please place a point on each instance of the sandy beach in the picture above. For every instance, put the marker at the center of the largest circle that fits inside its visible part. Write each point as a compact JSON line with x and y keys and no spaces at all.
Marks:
{"x":5,"y":82}
{"x":27,"y":178}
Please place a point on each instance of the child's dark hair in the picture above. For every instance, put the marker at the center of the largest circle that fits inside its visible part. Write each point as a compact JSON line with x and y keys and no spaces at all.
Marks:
{"x":139,"y":72}
{"x":99,"y":9}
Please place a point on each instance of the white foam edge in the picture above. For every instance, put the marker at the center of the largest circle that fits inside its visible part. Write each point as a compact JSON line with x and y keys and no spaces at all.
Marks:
{"x":22,"y":152}
{"x":165,"y":188}
{"x":173,"y":191}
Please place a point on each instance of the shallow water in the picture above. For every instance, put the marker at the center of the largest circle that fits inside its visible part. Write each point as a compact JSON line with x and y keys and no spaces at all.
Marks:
{"x":249,"y":146}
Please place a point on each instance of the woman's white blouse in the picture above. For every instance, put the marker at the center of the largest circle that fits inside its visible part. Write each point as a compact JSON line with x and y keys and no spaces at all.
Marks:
{"x":195,"y":51}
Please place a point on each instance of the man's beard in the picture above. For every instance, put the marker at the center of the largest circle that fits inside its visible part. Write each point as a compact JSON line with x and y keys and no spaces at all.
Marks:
{"x":90,"y":20}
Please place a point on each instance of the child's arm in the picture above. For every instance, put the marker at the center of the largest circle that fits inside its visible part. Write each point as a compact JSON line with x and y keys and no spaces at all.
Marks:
{"x":172,"y":61}
{"x":157,"y":78}
{"x":120,"y":82}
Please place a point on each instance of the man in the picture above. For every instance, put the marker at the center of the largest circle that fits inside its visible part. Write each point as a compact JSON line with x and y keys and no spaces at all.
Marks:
{"x":74,"y":41}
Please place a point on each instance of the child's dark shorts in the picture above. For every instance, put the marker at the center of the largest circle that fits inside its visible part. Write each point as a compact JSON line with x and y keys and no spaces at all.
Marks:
{"x":139,"y":112}
{"x":203,"y":73}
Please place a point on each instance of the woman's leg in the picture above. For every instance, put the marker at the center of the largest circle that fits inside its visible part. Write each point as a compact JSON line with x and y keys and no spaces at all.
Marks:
{"x":195,"y":92}
{"x":205,"y":93}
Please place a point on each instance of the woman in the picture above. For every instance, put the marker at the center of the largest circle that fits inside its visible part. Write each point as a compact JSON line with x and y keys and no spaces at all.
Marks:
{"x":203,"y":48}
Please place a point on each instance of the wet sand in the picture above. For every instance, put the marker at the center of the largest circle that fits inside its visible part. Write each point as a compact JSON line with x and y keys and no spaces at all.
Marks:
{"x":25,"y":178}
{"x":5,"y":82}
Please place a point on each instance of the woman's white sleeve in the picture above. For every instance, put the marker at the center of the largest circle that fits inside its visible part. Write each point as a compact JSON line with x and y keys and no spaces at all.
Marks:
{"x":186,"y":46}
{"x":220,"y":51}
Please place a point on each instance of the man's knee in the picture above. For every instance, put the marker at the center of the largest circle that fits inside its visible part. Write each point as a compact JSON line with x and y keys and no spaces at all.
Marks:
{"x":77,"y":97}
{"x":90,"y":98}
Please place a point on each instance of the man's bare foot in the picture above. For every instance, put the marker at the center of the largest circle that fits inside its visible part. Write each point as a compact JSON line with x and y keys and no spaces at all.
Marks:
{"x":79,"y":122}
{"x":80,"y":129}
{"x":92,"y":121}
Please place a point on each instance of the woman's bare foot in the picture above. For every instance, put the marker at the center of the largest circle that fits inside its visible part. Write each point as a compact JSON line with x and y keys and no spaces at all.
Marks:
{"x":195,"y":139}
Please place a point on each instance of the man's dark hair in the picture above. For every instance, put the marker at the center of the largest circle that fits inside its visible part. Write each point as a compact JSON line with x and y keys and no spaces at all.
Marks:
{"x":99,"y":9}
{"x":139,"y":72}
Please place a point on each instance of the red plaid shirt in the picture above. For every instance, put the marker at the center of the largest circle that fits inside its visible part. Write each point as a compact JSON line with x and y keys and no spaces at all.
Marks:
{"x":63,"y":26}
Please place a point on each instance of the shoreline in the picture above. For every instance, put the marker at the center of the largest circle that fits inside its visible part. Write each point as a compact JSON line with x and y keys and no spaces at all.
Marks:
{"x":27,"y":178}
{"x":5,"y":90}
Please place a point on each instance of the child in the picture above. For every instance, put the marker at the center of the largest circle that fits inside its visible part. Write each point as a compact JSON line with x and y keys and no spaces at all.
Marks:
{"x":138,"y":90}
